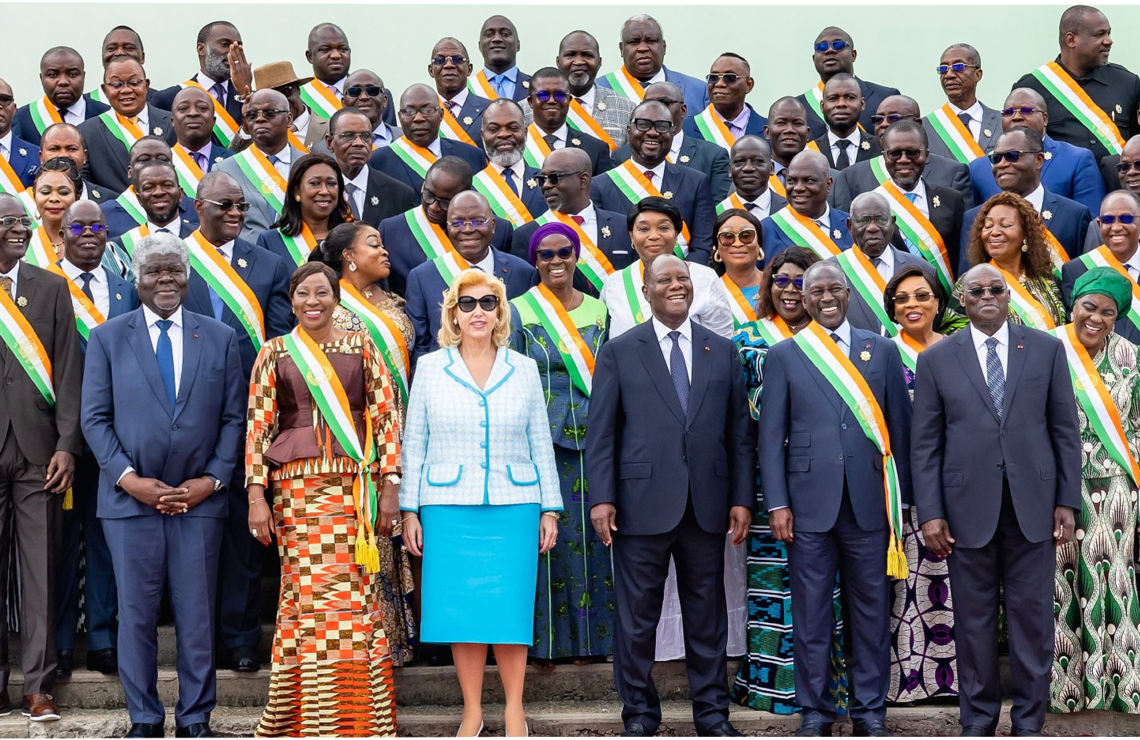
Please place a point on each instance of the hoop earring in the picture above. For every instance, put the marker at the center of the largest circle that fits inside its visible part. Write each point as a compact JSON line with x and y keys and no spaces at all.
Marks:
{"x":1024,"y":246}
{"x":352,"y":267}
{"x":716,"y":255}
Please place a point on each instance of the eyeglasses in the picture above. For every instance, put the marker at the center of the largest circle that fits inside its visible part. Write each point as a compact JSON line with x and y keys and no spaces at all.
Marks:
{"x":6,"y":100}
{"x":558,"y":96}
{"x":878,"y":220}
{"x":268,"y":114}
{"x":427,"y":111}
{"x":546,"y":255}
{"x":728,"y":238}
{"x":1025,"y":110}
{"x":554,"y":178}
{"x":427,"y":198}
{"x":837,"y":45}
{"x":1125,"y":218}
{"x":896,"y":154}
{"x":9,"y":221}
{"x":456,"y":59}
{"x":644,"y":124}
{"x":372,"y":91}
{"x":475,"y":223}
{"x":228,"y":205}
{"x":467,"y":303}
{"x":78,"y":229}
{"x":876,"y":119}
{"x":994,"y":290}
{"x":783,"y":281}
{"x":119,"y":84}
{"x":1124,"y":168}
{"x":922,"y":297}
{"x":729,"y":78}
{"x":1012,"y":155}
{"x":347,"y":137}
{"x":942,"y":69}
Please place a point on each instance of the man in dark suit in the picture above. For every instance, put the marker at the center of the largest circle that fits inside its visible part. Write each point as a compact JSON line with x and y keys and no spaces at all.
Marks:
{"x":63,"y":78}
{"x":372,"y":195}
{"x":22,"y":156}
{"x":365,"y":91}
{"x":420,"y":234}
{"x":824,"y":493}
{"x":427,"y":282}
{"x":1066,"y":219}
{"x":833,"y":53}
{"x":997,"y":503}
{"x":670,"y":459}
{"x":565,"y":184}
{"x":504,"y":138}
{"x":64,"y":140}
{"x":1068,"y":171}
{"x":750,"y":166}
{"x":959,"y":72}
{"x":499,"y":46}
{"x":420,"y":118}
{"x":267,"y":276}
{"x":1120,"y":170}
{"x":808,"y":184}
{"x":788,"y":133}
{"x":112,"y":296}
{"x":192,"y":119}
{"x":122,"y":213}
{"x":642,"y":49}
{"x":167,"y":439}
{"x":41,"y":440}
{"x":450,"y":77}
{"x":728,"y":103}
{"x":162,"y":201}
{"x":687,"y":188}
{"x":549,"y":105}
{"x":845,"y":142}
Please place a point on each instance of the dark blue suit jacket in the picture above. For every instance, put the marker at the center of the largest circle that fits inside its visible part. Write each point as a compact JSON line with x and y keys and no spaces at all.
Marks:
{"x":1069,"y":171}
{"x":775,"y":241}
{"x":696,"y":92}
{"x":702,"y":156}
{"x":426,"y":288}
{"x":165,"y":99}
{"x":25,"y":128}
{"x":1072,"y":270}
{"x":123,"y":296}
{"x":613,"y":240}
{"x":128,"y":421}
{"x":649,"y":458}
{"x":385,"y":160}
{"x":267,"y":275}
{"x":1068,"y":221}
{"x":691,"y":194}
{"x":473,"y":108}
{"x":272,"y":240}
{"x":24,"y":160}
{"x":405,"y":254}
{"x":812,"y":445}
{"x":874,"y":94}
{"x":532,"y":194}
{"x":107,"y":157}
{"x":217,"y":155}
{"x":754,"y":127}
{"x":120,"y":221}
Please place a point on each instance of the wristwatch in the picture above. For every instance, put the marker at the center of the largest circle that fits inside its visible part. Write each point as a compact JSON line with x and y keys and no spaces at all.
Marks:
{"x":393,"y":478}
{"x":217,"y":483}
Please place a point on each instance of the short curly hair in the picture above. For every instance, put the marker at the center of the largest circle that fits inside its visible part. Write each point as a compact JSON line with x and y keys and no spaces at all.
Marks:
{"x":449,"y":334}
{"x":1036,"y":259}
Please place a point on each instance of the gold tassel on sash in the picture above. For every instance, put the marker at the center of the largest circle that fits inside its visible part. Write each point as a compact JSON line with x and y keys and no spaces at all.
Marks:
{"x":68,"y":500}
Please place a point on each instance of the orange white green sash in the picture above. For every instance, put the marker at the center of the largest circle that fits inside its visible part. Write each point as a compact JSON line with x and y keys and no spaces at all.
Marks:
{"x":28,"y":201}
{"x":536,"y":149}
{"x":44,"y":114}
{"x":1103,"y":257}
{"x":449,"y":265}
{"x":1093,"y":396}
{"x":433,"y":240}
{"x":632,"y":280}
{"x":825,"y":355}
{"x":130,"y":240}
{"x":732,"y":201}
{"x":29,"y":351}
{"x":1057,"y":254}
{"x":478,"y":84}
{"x":908,"y":349}
{"x":449,"y":127}
{"x":296,"y":142}
{"x":955,"y":135}
{"x":300,"y":246}
{"x":385,"y":334}
{"x":332,"y":401}
{"x":320,"y":99}
{"x":803,"y":232}
{"x":814,"y":97}
{"x":224,"y":280}
{"x":188,"y":171}
{"x":712,"y":127}
{"x":580,"y":119}
{"x":634,"y":185}
{"x":743,"y":312}
{"x":97,"y":95}
{"x":1071,"y":95}
{"x":1024,"y":305}
{"x":130,"y":203}
{"x":126,"y":132}
{"x":87,"y":315}
{"x":41,"y":252}
{"x":774,"y":330}
{"x":416,"y":157}
{"x":9,"y":181}
{"x":593,"y":262}
{"x":868,"y":283}
{"x":503,"y":200}
{"x":225,"y":127}
{"x":263,"y":176}
{"x":777,"y":186}
{"x":626,"y":85}
{"x":555,"y":319}
{"x":916,"y":227}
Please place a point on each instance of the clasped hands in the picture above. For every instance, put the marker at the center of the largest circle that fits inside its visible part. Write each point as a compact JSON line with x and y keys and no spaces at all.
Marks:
{"x":170,"y":500}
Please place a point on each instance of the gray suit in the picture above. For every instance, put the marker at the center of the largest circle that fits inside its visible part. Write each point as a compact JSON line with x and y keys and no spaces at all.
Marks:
{"x":261,"y":215}
{"x":859,"y":313}
{"x":991,"y":122}
{"x":859,"y":178}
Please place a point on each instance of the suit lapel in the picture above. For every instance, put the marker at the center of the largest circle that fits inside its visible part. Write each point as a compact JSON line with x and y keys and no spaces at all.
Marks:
{"x":191,"y":354}
{"x":139,"y":338}
{"x":654,"y":361}
{"x":968,"y":359}
{"x":1015,"y":359}
{"x":1048,"y":204}
{"x":1050,"y":153}
{"x":702,"y":358}
{"x":375,"y":186}
{"x":671,"y":181}
{"x":824,"y":386}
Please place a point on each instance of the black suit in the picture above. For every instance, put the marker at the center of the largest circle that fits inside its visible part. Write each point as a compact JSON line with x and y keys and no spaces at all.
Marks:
{"x":613,"y":240}
{"x":386,"y":196}
{"x":107,"y":157}
{"x":1109,"y":174}
{"x":998,"y":490}
{"x":672,"y":475}
{"x":387,"y":161}
{"x":868,"y":149}
{"x":702,"y":156}
{"x":24,"y":127}
{"x":599,"y":152}
{"x":873,"y":94}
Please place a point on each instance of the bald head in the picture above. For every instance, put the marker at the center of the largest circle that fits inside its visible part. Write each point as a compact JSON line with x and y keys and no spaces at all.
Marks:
{"x":329,"y":53}
{"x":668,"y":93}
{"x":83,"y":210}
{"x":808,"y":181}
{"x":661,"y":262}
{"x":215,"y":182}
{"x":472,"y":199}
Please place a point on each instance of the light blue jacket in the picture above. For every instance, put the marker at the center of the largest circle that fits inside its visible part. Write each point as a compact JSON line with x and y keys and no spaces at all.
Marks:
{"x":470,"y":447}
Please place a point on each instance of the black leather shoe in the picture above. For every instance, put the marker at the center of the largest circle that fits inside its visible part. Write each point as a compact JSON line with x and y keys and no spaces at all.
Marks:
{"x":975,"y":731}
{"x":636,"y":729}
{"x":870,"y":728}
{"x":5,"y":704}
{"x":198,"y":729}
{"x":104,"y":661}
{"x":724,"y":729}
{"x":1026,"y":733}
{"x":64,"y":663}
{"x":142,"y":729}
{"x":814,"y":728}
{"x":244,"y":660}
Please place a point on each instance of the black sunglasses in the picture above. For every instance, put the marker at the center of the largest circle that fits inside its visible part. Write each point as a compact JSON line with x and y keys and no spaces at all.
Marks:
{"x":372,"y":91}
{"x":456,"y":59}
{"x":1012,"y":155}
{"x":1125,"y":167}
{"x":547,"y":255}
{"x":837,"y":45}
{"x":558,"y":96}
{"x":227,"y":205}
{"x":890,"y":118}
{"x":256,"y":115}
{"x":729,"y":78}
{"x":896,"y":154}
{"x":994,"y":290}
{"x":783,"y":281}
{"x":644,"y":124}
{"x":554,"y":178}
{"x":467,"y":303}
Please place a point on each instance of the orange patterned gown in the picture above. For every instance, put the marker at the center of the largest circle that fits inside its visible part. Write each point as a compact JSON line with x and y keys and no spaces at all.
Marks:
{"x":332,"y":665}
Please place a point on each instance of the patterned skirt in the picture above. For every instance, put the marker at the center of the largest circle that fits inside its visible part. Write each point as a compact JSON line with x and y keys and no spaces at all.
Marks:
{"x":332,"y":666}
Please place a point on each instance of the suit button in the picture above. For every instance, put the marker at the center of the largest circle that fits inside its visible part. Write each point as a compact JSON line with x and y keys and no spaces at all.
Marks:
{"x":842,"y":426}
{"x":839,"y":457}
{"x":483,"y":465}
{"x":7,"y":381}
{"x":482,"y":403}
{"x":1003,"y":432}
{"x":174,"y":427}
{"x":483,"y":424}
{"x":684,"y":458}
{"x":482,"y":445}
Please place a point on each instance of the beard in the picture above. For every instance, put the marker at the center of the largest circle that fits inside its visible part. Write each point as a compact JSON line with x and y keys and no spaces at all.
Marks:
{"x":580,"y":79}
{"x":506,"y":159}
{"x":216,"y":66}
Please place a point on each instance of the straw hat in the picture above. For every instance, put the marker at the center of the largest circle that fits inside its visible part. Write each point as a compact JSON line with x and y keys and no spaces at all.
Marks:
{"x":276,"y":74}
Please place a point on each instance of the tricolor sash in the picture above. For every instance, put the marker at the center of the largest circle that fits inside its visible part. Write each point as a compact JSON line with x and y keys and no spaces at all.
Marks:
{"x":1071,"y":95}
{"x":44,"y":113}
{"x":536,"y":149}
{"x":803,"y":232}
{"x":478,"y":84}
{"x":825,"y":355}
{"x":332,"y":401}
{"x":503,"y":200}
{"x":1057,"y":254}
{"x":130,"y":203}
{"x":1093,"y":396}
{"x":593,"y":262}
{"x":130,"y":240}
{"x":712,"y":127}
{"x":300,"y":246}
{"x":555,"y":319}
{"x":955,"y":135}
{"x":385,"y":334}
{"x":777,"y":186}
{"x":908,"y":349}
{"x":320,"y":99}
{"x":9,"y":181}
{"x":97,"y":94}
{"x":626,"y":85}
{"x":188,"y":171}
{"x":580,"y":119}
{"x":41,"y":252}
{"x":1024,"y":305}
{"x":87,"y":315}
{"x":732,"y":201}
{"x":433,"y":240}
{"x":634,"y":185}
{"x":263,"y":176}
{"x":449,"y":127}
{"x":868,"y":283}
{"x":1103,"y":257}
{"x":225,"y":127}
{"x":632,"y":279}
{"x":21,"y":339}
{"x":814,"y":97}
{"x":914,"y":226}
{"x":774,"y":330}
{"x":416,"y":157}
{"x":224,"y":280}
{"x":28,"y":201}
{"x":126,"y":132}
{"x":743,"y":312}
{"x":449,"y":265}
{"x":295,"y":142}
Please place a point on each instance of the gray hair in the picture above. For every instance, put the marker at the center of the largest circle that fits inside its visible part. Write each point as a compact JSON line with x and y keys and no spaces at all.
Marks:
{"x":159,"y":245}
{"x":639,"y":18}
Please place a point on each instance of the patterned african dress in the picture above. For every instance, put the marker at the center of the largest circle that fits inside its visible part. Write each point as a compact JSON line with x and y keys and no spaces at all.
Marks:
{"x":332,"y":666}
{"x":395,"y":576}
{"x":764,"y":679}
{"x":1096,"y":661}
{"x":574,"y":602}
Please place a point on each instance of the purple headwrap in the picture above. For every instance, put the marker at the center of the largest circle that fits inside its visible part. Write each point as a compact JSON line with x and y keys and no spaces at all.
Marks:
{"x":554,"y":227}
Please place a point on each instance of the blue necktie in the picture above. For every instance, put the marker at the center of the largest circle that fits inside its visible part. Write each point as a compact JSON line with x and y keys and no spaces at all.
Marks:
{"x":911,"y":246}
{"x":87,"y":277}
{"x":995,"y":375}
{"x":679,"y":371}
{"x":165,"y":354}
{"x":500,"y":84}
{"x":216,"y":302}
{"x":509,"y":176}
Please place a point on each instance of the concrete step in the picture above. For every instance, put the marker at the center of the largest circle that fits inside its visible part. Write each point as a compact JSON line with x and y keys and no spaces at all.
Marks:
{"x":167,"y":646}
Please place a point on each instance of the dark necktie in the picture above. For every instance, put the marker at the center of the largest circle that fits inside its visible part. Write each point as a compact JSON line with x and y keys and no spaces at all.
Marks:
{"x":679,"y":371}
{"x":509,"y":177}
{"x":350,"y":191}
{"x":578,"y":220}
{"x":649,"y":175}
{"x":965,"y":119}
{"x":63,"y":113}
{"x":843,"y":161}
{"x":273,"y":159}
{"x":750,"y":206}
{"x":219,"y":92}
{"x":550,"y":140}
{"x":877,"y":262}
{"x":164,"y":352}
{"x":201,"y":161}
{"x":216,"y":302}
{"x":87,"y":277}
{"x":6,"y":285}
{"x":995,"y":375}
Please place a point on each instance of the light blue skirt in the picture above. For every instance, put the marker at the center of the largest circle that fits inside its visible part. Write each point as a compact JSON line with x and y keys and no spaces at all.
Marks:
{"x":479,"y":574}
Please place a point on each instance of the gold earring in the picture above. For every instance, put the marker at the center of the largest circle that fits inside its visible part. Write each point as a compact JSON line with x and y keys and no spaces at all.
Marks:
{"x":716,"y":255}
{"x":1024,"y":246}
{"x":297,"y":198}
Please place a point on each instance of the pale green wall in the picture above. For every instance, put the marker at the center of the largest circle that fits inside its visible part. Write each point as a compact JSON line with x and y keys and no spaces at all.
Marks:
{"x":900,"y":45}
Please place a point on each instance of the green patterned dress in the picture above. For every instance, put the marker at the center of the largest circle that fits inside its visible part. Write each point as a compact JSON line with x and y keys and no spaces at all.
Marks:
{"x":1096,"y":661}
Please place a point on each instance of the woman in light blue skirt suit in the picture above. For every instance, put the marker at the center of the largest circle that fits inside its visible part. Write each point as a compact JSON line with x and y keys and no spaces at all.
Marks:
{"x":480,"y":494}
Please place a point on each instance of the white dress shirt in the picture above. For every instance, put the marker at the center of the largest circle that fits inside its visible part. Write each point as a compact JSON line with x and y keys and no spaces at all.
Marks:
{"x":590,"y":222}
{"x":762,"y":206}
{"x":659,"y":77}
{"x":519,"y":168}
{"x":337,"y":88}
{"x":487,"y":264}
{"x":1133,"y":266}
{"x":144,"y":120}
{"x":919,"y":202}
{"x":14,"y":276}
{"x":6,"y":146}
{"x":886,"y":266}
{"x":824,"y":221}
{"x":100,"y":290}
{"x":460,"y":99}
{"x":204,"y":80}
{"x":227,"y":251}
{"x":1002,"y":335}
{"x":588,"y":98}
{"x":76,"y":112}
{"x":434,"y":147}
{"x":658,"y":172}
{"x":284,"y":158}
{"x":561,"y":136}
{"x":675,"y":147}
{"x":844,"y":332}
{"x":1037,"y":198}
{"x":711,"y":308}
{"x":685,"y":341}
{"x":301,"y":124}
{"x":174,"y":226}
{"x":975,"y":112}
{"x":361,"y":183}
{"x":852,"y":151}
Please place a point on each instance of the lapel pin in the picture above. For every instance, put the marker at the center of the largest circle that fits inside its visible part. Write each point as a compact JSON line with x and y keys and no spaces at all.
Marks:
{"x":836,"y":234}
{"x":195,"y":336}
{"x":685,"y":159}
{"x":526,"y":84}
{"x":936,"y":201}
{"x":21,"y":301}
{"x":1046,"y":215}
{"x":1021,"y":346}
{"x":531,"y":183}
{"x":865,"y":146}
{"x":95,"y":193}
{"x":576,"y":142}
{"x":242,"y":263}
{"x":601,"y":106}
{"x":118,"y":296}
{"x":1119,"y":109}
{"x":217,"y":159}
{"x":1048,"y":156}
{"x":668,"y":195}
{"x":865,"y":356}
{"x":375,"y":201}
{"x":707,"y":349}
{"x":987,"y":133}
{"x":157,"y":131}
{"x":24,"y":152}
{"x":468,"y":120}
{"x":606,"y":231}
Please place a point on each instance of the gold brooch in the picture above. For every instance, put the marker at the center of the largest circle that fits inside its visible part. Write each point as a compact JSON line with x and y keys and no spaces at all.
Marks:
{"x":865,"y":146}
{"x":375,"y":201}
{"x":118,"y":296}
{"x":158,"y":131}
{"x":601,"y":106}
{"x":531,"y":183}
{"x":865,"y":356}
{"x":987,"y":132}
{"x":1048,"y":156}
{"x":1046,"y":215}
{"x":468,"y":120}
{"x":21,"y":301}
{"x":668,"y":195}
{"x":684,"y":159}
{"x":936,"y":201}
{"x":242,"y":263}
{"x":835,"y":234}
{"x":23,"y":152}
{"x":606,"y":231}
